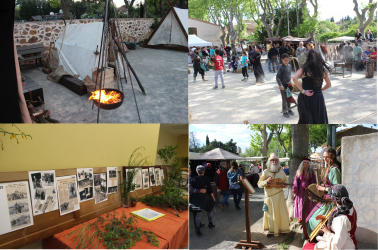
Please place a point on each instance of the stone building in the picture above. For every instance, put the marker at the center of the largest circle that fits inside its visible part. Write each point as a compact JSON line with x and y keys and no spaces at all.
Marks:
{"x":205,"y":30}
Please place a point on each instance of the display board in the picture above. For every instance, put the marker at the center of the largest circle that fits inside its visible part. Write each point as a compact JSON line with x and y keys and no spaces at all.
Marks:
{"x":112,"y":180}
{"x":15,"y":207}
{"x":85,"y":184}
{"x":67,"y":194}
{"x":100,"y":188}
{"x":43,"y":191}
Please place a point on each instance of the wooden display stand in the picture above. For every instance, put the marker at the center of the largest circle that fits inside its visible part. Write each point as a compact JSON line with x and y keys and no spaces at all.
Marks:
{"x":248,"y":243}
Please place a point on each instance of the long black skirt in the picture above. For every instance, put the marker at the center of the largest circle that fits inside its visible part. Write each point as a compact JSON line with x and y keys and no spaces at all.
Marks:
{"x":258,"y":72}
{"x":312,"y":109}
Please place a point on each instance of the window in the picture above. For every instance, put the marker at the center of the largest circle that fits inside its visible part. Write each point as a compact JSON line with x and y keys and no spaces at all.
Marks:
{"x":192,"y":31}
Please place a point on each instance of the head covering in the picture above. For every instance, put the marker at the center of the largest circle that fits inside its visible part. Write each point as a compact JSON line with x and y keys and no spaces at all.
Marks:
{"x":339,"y":194}
{"x":271,"y":157}
{"x":306,"y":159}
{"x":311,"y":42}
{"x":228,"y":45}
{"x":200,"y":169}
{"x":208,"y":165}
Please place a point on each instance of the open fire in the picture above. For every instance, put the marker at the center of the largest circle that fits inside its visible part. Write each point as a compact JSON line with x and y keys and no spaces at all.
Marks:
{"x":107,"y":97}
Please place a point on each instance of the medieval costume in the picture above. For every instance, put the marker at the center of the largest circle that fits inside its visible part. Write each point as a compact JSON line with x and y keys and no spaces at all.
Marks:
{"x":301,"y":182}
{"x":333,"y":177}
{"x":257,"y":68}
{"x":276,"y":216}
{"x":312,"y":109}
{"x":341,"y":226}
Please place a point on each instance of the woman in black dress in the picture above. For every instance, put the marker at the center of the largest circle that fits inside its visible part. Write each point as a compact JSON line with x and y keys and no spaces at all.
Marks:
{"x":257,"y":68}
{"x":311,"y":105}
{"x":202,"y":198}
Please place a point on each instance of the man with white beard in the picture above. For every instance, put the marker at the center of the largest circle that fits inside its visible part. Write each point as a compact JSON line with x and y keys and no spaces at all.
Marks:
{"x":276,"y":216}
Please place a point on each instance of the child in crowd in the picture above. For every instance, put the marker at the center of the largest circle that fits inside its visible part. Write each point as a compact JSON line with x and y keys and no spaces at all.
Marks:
{"x":245,"y":66}
{"x":235,"y":64}
{"x":217,"y":62}
{"x":283,"y":79}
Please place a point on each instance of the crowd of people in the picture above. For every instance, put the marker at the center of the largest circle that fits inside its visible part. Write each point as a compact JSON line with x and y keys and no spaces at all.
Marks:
{"x":337,"y":233}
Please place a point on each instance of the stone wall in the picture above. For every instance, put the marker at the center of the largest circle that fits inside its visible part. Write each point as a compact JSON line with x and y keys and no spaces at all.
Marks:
{"x":28,"y":33}
{"x":359,"y":175}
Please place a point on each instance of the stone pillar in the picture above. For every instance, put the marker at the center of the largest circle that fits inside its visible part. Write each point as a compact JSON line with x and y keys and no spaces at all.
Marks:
{"x":359,"y":175}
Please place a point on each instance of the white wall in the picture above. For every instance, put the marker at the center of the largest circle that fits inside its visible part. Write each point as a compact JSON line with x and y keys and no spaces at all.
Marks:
{"x":359,"y":175}
{"x":206,"y":31}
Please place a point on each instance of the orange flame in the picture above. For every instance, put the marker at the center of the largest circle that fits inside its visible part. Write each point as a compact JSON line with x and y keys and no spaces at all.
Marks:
{"x":106,"y":97}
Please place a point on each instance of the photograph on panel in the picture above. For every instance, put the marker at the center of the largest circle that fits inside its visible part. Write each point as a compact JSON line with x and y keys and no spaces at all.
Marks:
{"x":15,"y":208}
{"x":281,"y":61}
{"x":107,"y":61}
{"x":85,"y":183}
{"x":281,"y":186}
{"x":43,"y":190}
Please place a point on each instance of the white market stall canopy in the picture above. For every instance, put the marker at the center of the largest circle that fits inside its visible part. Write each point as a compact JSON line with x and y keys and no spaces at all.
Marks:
{"x":196,"y":41}
{"x":171,"y":30}
{"x":219,"y":154}
{"x":194,"y":156}
{"x":342,"y":38}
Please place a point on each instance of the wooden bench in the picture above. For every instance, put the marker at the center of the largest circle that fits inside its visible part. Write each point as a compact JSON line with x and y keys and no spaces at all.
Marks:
{"x":33,"y":50}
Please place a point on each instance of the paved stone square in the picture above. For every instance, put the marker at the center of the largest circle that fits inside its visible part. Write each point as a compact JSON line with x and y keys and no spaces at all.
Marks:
{"x":349,"y":100}
{"x":162,"y":74}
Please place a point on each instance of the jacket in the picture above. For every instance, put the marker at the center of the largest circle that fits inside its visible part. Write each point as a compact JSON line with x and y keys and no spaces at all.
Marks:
{"x":223,"y":181}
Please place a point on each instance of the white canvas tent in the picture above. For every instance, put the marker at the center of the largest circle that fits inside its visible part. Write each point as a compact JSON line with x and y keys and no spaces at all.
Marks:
{"x":76,"y":46}
{"x":172,"y":30}
{"x":196,"y":41}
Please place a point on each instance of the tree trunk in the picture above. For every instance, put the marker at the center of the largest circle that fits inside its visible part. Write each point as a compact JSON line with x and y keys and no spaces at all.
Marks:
{"x":361,"y":16}
{"x":300,"y":135}
{"x":161,"y":9}
{"x":268,"y":27}
{"x":145,"y":9}
{"x":66,"y":8}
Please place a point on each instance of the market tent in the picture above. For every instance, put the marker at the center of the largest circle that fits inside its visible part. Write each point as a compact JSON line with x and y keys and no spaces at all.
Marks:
{"x":342,"y":38}
{"x":274,"y":39}
{"x":193,"y":155}
{"x":219,"y":154}
{"x":196,"y":41}
{"x":295,"y":40}
{"x":172,"y":31}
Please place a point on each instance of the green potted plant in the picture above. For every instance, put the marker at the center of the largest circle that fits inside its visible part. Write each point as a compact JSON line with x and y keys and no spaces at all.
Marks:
{"x":128,"y":186}
{"x":136,"y":160}
{"x":134,"y":201}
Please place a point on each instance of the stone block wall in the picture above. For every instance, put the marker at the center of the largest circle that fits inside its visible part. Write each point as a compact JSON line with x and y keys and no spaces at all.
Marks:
{"x":28,"y":33}
{"x":359,"y":175}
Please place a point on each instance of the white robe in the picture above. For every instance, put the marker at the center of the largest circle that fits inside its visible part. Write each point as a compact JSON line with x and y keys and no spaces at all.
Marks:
{"x":340,"y":239}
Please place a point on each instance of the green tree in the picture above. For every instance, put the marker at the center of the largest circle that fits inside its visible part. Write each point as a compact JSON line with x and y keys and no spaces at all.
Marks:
{"x":229,"y":146}
{"x":250,"y":152}
{"x":368,"y":9}
{"x":198,"y":9}
{"x":54,"y":3}
{"x":79,"y":8}
{"x":28,"y":8}
{"x":332,"y":19}
{"x":207,"y":140}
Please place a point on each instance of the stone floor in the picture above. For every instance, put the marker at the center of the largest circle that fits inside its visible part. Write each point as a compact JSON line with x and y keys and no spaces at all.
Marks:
{"x":162,"y":74}
{"x":230,"y":226}
{"x":349,"y":100}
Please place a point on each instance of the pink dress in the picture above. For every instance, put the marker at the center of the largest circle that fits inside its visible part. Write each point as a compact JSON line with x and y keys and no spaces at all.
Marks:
{"x":300,"y":184}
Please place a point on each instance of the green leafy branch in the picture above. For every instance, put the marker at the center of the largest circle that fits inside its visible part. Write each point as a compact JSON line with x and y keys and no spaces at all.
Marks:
{"x":119,"y":232}
{"x":14,"y":135}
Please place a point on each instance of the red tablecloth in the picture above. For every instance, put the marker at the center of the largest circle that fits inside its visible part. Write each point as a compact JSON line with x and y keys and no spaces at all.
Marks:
{"x":171,"y":231}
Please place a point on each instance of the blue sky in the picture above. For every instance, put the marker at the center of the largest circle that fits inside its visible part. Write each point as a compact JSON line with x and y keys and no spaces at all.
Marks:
{"x":239,"y":132}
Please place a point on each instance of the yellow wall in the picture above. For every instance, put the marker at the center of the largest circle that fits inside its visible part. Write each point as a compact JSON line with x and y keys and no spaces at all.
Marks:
{"x":65,"y":146}
{"x":165,"y":139}
{"x":183,"y":148}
